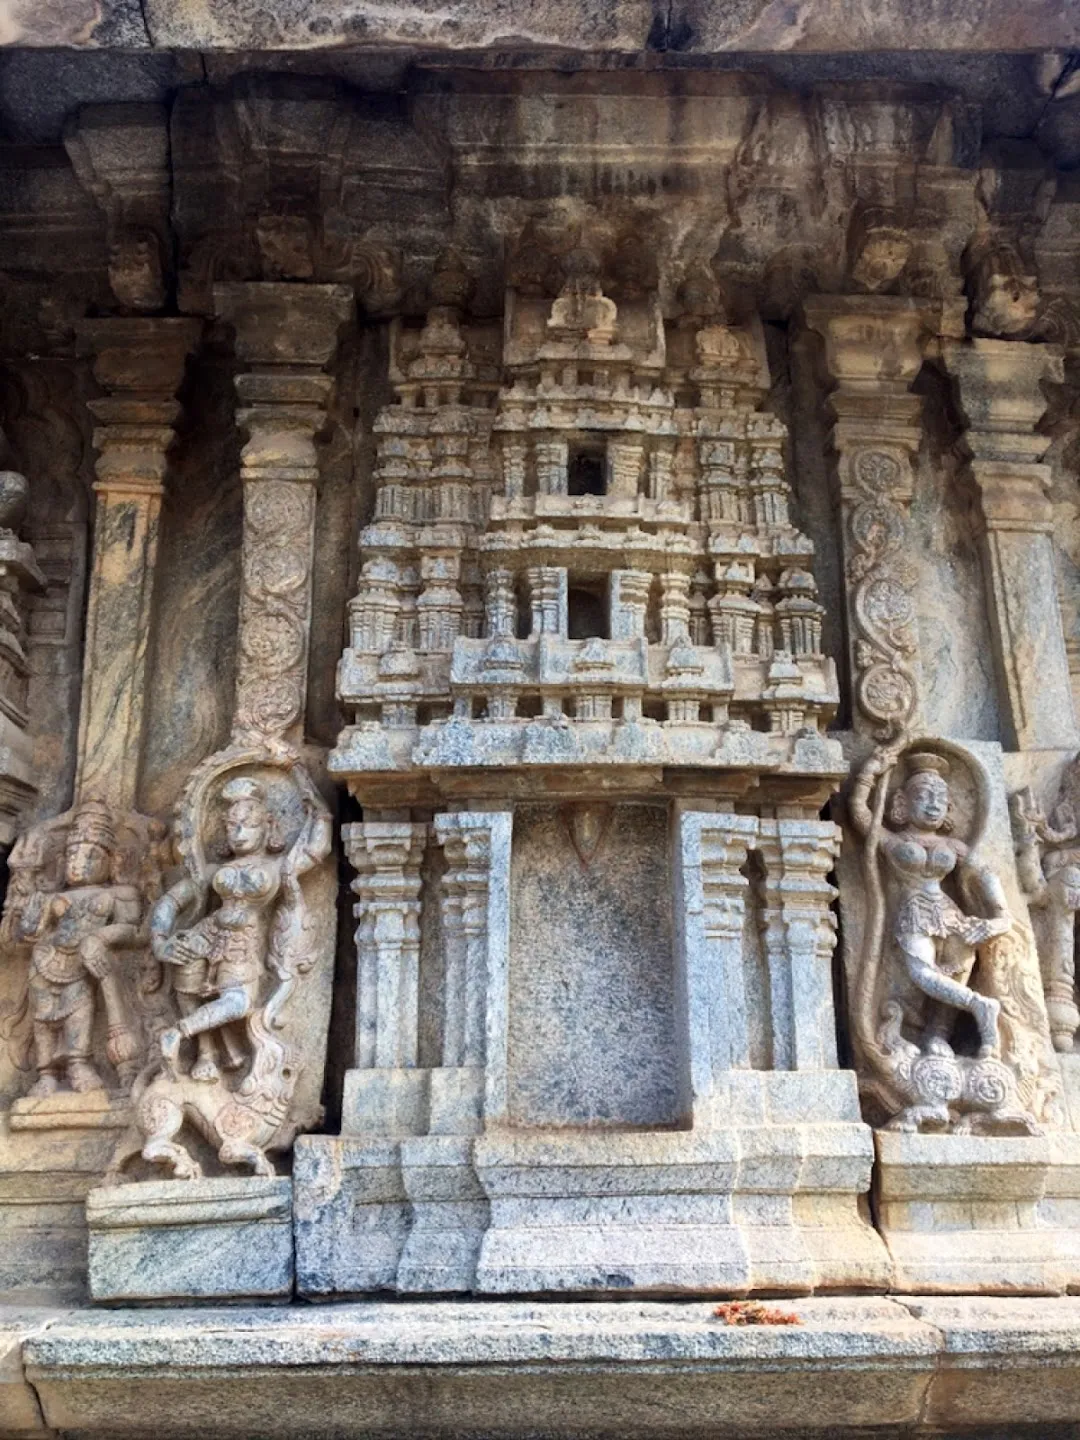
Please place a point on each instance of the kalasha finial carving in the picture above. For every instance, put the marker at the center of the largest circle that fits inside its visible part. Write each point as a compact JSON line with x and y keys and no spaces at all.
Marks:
{"x":78,"y":896}
{"x":923,"y":948}
{"x":237,"y":935}
{"x":1048,"y":862}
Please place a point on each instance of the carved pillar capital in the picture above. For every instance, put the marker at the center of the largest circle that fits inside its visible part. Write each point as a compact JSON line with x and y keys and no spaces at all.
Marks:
{"x":285,"y":334}
{"x":139,"y":363}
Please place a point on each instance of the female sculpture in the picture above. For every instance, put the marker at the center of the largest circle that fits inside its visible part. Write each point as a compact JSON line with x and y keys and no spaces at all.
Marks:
{"x":238,"y":963}
{"x":222,"y":957}
{"x":933,"y":935}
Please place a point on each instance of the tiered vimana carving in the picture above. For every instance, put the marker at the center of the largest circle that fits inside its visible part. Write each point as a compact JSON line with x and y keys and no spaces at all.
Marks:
{"x":594,"y":940}
{"x":592,"y":561}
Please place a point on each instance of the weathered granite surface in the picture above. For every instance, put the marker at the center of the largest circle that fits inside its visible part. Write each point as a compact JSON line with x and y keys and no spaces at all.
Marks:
{"x":919,"y":1367}
{"x":753,"y":25}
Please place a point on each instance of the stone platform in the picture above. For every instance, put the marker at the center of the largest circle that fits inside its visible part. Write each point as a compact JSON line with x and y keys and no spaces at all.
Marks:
{"x":852,"y":1366}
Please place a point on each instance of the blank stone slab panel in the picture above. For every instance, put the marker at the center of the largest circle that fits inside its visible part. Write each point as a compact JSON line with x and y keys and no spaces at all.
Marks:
{"x":591,"y":1008}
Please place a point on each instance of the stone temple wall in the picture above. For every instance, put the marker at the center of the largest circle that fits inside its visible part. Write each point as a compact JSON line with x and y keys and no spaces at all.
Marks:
{"x":539,"y":720}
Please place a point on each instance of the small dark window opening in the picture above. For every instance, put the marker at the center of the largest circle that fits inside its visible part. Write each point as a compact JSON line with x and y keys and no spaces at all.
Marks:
{"x":587,"y":611}
{"x":585,"y":473}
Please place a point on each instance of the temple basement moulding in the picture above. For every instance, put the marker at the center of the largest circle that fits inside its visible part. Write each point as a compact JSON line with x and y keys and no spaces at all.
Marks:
{"x":539,"y":698}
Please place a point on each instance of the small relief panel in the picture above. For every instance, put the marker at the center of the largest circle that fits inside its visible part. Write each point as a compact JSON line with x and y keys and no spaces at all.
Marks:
{"x":591,"y":1005}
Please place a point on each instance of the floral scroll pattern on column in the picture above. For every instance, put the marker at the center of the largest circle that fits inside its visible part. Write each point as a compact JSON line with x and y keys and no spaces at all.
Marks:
{"x":279,"y":518}
{"x":882,"y":579}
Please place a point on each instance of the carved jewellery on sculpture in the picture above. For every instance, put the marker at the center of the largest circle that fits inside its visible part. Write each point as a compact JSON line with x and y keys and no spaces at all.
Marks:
{"x":1048,"y":862}
{"x":922,"y":948}
{"x":236,"y":935}
{"x":80,"y":888}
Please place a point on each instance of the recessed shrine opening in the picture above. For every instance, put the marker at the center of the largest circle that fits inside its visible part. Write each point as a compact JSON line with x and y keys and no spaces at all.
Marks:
{"x":587,"y":610}
{"x":586,"y":472}
{"x":591,"y":1026}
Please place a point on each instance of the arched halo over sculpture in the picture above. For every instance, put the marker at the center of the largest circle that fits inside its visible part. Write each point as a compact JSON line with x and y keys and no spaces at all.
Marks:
{"x":939,"y":943}
{"x":237,"y":939}
{"x":79,"y":892}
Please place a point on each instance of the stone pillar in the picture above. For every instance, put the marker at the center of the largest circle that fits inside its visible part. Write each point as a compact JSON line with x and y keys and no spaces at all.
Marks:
{"x":999,"y":387}
{"x":476,"y":940}
{"x":500,"y":604}
{"x":710,"y":897}
{"x":139,"y":364}
{"x":387,"y":856}
{"x":629,"y":600}
{"x":286,"y":334}
{"x":873,"y":351}
{"x":19,"y":575}
{"x":675,"y":608}
{"x":547,"y":599}
{"x":799,"y":931}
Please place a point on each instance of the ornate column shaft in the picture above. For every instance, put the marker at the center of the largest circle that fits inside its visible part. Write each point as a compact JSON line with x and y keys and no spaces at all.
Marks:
{"x":799,"y":932}
{"x":873,"y":351}
{"x":999,"y":386}
{"x":387,"y":856}
{"x":139,"y":363}
{"x":286,"y":334}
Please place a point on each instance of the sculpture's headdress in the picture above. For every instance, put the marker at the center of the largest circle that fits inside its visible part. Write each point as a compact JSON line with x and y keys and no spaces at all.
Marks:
{"x":926,"y":762}
{"x":93,"y":824}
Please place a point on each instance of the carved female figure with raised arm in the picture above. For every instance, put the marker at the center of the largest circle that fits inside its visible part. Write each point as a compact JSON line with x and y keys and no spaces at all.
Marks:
{"x":936,"y":939}
{"x":228,"y":948}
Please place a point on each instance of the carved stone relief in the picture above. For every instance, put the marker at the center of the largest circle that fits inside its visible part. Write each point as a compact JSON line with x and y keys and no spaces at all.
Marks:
{"x":938,"y":940}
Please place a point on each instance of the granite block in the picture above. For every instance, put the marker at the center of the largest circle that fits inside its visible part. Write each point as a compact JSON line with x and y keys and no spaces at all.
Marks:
{"x":186,"y":1240}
